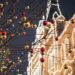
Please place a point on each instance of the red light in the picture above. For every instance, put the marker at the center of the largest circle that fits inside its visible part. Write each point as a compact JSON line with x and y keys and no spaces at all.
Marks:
{"x":42,"y":60}
{"x":3,"y":33}
{"x":42,"y":49}
{"x":56,"y":38}
{"x":45,"y":23}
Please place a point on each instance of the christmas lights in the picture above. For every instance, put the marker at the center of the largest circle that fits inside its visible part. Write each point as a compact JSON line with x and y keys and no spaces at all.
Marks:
{"x":8,"y":32}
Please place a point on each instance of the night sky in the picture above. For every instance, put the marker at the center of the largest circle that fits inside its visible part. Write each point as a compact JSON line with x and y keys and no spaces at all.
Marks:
{"x":67,"y":7}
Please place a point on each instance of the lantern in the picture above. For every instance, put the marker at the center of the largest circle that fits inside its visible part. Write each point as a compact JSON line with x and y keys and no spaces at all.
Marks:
{"x":1,"y":5}
{"x":42,"y":60}
{"x":4,"y":37}
{"x":24,"y":18}
{"x":33,"y":26}
{"x":56,"y":38}
{"x":4,"y":33}
{"x":28,"y":7}
{"x":26,"y":47}
{"x":18,"y":58}
{"x":27,"y":24}
{"x":42,"y":49}
{"x":9,"y":21}
{"x":45,"y":23}
{"x":15,"y":17}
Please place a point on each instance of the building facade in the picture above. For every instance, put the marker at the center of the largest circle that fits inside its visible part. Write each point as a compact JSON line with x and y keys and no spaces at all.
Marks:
{"x":58,"y":43}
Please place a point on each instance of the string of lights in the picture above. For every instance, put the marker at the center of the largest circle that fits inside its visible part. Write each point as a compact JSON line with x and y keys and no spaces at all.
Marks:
{"x":4,"y":33}
{"x":22,"y":9}
{"x":22,"y":17}
{"x":29,"y":11}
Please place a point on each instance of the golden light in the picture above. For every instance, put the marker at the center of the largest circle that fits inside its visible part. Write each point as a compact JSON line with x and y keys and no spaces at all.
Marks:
{"x":26,"y":25}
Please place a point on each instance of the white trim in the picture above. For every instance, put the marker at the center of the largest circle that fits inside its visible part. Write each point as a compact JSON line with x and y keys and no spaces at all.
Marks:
{"x":37,"y":69}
